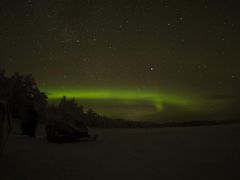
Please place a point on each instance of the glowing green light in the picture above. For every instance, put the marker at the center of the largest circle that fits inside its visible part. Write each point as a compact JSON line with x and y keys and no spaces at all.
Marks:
{"x":155,"y":98}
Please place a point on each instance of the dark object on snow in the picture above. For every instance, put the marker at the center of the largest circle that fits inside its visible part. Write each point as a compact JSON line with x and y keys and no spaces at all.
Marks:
{"x":63,"y":131}
{"x":5,"y":124}
{"x":30,"y":125}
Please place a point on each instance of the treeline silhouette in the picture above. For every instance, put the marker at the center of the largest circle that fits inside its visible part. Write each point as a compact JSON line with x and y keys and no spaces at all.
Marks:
{"x":22,"y":93}
{"x":69,"y":110}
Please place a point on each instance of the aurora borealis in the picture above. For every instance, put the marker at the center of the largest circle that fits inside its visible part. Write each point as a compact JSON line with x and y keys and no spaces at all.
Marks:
{"x":154,"y":98}
{"x":141,"y":103}
{"x":135,"y":59}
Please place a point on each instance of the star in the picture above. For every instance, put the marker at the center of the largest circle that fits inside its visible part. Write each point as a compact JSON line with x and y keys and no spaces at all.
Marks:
{"x":233,"y":76}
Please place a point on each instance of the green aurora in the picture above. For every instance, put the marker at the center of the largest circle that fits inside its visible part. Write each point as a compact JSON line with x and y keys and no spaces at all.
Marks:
{"x":159,"y":101}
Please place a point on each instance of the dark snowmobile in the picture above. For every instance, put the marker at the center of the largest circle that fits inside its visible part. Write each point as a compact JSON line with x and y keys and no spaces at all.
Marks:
{"x":65,"y":131}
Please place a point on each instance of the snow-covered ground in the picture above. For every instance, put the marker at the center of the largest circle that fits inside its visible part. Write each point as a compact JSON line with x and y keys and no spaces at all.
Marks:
{"x":206,"y":153}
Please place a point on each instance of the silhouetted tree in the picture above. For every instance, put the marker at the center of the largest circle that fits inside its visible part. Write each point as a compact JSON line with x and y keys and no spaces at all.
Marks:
{"x":5,"y":86}
{"x":21,"y":92}
{"x":71,"y":105}
{"x":68,"y":109}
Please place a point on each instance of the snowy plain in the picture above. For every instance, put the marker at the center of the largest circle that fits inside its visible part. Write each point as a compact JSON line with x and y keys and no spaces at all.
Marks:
{"x":196,"y":153}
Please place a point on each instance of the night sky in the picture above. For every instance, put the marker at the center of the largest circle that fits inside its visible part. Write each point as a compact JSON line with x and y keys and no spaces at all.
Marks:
{"x":135,"y":59}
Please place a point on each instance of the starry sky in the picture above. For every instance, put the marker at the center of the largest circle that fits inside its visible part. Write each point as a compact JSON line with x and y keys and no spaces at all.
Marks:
{"x":134,"y":59}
